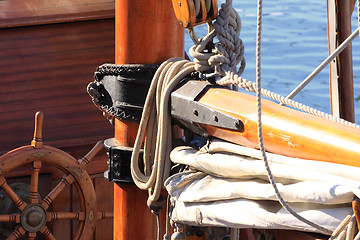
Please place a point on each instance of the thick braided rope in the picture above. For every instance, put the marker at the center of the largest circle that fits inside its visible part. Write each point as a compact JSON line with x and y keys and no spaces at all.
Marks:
{"x":200,"y":56}
{"x":218,"y":61}
{"x":229,"y":51}
{"x":222,"y":61}
{"x":236,"y":80}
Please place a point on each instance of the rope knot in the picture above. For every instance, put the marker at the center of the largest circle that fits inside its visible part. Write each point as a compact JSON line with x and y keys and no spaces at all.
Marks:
{"x":230,"y":46}
{"x":229,"y":51}
{"x":200,"y":55}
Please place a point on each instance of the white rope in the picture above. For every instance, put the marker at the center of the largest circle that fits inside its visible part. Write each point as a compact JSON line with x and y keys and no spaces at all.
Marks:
{"x":156,"y":124}
{"x":225,"y":67}
{"x":229,"y":51}
{"x":217,"y":60}
{"x":234,"y":234}
{"x":260,"y":132}
{"x":231,"y":78}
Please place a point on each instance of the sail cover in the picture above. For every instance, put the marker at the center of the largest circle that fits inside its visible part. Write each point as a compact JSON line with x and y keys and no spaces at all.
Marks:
{"x":227,"y":185}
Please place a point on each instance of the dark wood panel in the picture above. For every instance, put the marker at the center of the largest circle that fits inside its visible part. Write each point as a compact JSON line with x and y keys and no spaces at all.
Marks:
{"x":47,"y":68}
{"x":63,"y":203}
{"x":30,"y":12}
{"x":105,"y":197}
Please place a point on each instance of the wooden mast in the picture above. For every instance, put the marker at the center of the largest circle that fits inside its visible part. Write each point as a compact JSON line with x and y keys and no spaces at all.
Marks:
{"x":341,"y":73}
{"x":147,"y":32}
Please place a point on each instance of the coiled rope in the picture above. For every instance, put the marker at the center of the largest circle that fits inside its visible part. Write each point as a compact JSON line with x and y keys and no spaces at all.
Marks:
{"x":155,"y":125}
{"x":346,"y":230}
{"x":155,"y":132}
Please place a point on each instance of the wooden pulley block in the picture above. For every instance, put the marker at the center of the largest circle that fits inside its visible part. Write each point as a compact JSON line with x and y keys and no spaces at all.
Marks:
{"x":191,"y":13}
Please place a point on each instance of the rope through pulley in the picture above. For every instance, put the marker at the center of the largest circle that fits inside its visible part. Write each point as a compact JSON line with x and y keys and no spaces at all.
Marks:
{"x":225,"y":56}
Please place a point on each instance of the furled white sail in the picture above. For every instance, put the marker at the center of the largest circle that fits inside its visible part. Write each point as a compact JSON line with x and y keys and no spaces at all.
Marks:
{"x":227,"y":186}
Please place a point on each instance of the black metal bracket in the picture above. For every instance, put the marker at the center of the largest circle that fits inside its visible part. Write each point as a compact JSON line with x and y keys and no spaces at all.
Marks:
{"x":120,"y":90}
{"x":186,"y":108}
{"x":119,"y":158}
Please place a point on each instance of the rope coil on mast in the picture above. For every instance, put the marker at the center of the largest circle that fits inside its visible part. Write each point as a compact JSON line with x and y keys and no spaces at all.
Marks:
{"x":228,"y":54}
{"x":155,"y":122}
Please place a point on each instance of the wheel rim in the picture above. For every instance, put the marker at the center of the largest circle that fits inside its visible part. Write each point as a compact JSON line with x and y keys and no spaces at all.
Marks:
{"x":32,"y":215}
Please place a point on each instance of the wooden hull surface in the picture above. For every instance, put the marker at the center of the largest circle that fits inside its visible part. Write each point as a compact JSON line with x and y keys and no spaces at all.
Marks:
{"x":49,"y":51}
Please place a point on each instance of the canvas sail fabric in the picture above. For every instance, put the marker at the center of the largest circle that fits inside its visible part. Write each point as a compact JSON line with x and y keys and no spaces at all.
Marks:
{"x":227,"y":185}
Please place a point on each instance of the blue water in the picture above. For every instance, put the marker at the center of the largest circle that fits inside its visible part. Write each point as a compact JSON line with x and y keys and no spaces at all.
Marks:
{"x":294,"y":43}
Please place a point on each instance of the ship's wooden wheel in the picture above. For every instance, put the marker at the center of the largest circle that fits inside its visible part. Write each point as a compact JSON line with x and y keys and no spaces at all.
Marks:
{"x":34,"y":213}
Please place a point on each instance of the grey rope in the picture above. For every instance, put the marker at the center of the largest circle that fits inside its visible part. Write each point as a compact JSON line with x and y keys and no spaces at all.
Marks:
{"x":350,"y":234}
{"x":155,"y":132}
{"x":260,"y":132}
{"x":228,"y":54}
{"x":225,"y":59}
{"x":158,"y":222}
{"x":167,"y":221}
{"x":223,"y":64}
{"x":232,"y":78}
{"x":229,"y":51}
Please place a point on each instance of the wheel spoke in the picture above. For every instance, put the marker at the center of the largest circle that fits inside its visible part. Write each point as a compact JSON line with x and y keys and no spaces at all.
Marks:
{"x":103,"y":215}
{"x":17,"y":233}
{"x":34,"y":183}
{"x":31,"y":236}
{"x":91,"y":154}
{"x":12,"y":195}
{"x":47,"y":234}
{"x":69,"y":179}
{"x":15,"y":217}
{"x":66,"y":216}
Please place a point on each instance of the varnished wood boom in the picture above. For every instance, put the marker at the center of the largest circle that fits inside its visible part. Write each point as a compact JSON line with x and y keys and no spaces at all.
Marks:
{"x":286,"y":131}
